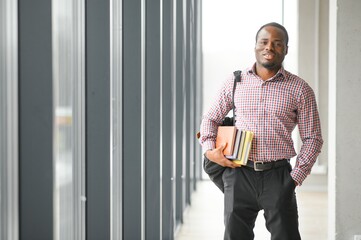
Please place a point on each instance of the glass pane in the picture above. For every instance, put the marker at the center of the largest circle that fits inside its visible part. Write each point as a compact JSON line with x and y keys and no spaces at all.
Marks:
{"x":69,"y":124}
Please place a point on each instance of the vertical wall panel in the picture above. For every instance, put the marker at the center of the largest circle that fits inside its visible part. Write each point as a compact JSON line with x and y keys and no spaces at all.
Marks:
{"x":192,"y":102}
{"x":166,"y":140}
{"x":98,"y":119}
{"x":344,"y":128}
{"x":174,"y":110}
{"x":132,"y":110}
{"x":152,"y":120}
{"x":187,"y":99}
{"x":199,"y":80}
{"x":179,"y":123}
{"x":35,"y":120}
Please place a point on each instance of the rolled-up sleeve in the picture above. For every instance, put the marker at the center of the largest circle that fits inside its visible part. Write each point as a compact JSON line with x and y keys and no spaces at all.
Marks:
{"x":310,"y":133}
{"x":219,"y":108}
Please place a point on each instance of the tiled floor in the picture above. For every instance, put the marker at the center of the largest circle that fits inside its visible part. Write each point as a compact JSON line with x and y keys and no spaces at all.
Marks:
{"x":204,"y":219}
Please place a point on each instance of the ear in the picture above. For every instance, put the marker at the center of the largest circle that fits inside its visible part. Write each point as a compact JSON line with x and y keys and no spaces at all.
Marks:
{"x":286,"y":50}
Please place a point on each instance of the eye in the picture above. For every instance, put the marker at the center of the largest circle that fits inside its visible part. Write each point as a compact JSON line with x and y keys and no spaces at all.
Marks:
{"x":279,"y":44}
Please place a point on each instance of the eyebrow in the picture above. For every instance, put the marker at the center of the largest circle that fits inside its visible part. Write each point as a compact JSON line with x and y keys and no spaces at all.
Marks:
{"x":276,"y":40}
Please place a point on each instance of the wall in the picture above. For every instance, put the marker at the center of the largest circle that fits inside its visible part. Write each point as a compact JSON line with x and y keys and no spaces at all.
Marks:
{"x":130,"y":74}
{"x":344,"y":125}
{"x":159,"y":151}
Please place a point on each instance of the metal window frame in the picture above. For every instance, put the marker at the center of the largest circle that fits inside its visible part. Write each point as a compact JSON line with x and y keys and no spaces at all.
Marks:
{"x":116,"y":140}
{"x":9,"y":159}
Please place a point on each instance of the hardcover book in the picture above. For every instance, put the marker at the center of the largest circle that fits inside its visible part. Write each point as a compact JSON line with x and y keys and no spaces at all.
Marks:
{"x":237,"y":141}
{"x":245,"y":144}
{"x":226,"y":135}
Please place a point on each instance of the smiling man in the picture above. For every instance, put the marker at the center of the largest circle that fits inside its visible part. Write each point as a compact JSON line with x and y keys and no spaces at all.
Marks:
{"x":269,"y":101}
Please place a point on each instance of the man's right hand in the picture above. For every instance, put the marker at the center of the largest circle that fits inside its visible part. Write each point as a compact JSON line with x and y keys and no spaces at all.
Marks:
{"x":216,"y":155}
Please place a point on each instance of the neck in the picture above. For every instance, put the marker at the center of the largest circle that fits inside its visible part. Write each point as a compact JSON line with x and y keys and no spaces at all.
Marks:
{"x":265,"y":73}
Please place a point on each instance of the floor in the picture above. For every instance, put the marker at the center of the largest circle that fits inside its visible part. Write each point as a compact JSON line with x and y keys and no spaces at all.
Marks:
{"x":204,"y":218}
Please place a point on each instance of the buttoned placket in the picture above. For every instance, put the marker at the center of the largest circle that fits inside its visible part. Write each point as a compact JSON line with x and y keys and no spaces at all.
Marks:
{"x":261,"y":120}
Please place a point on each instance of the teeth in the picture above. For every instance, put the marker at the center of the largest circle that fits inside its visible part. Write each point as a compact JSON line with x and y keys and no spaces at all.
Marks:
{"x":268,"y":56}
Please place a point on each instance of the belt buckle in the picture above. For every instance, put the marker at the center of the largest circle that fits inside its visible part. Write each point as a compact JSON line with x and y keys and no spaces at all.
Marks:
{"x":256,"y":164}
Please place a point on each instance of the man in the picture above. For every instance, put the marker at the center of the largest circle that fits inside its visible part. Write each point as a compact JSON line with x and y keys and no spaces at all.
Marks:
{"x":269,"y":101}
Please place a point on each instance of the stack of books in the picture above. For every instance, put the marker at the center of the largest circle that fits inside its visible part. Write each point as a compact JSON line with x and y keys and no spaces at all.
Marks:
{"x":238,"y":143}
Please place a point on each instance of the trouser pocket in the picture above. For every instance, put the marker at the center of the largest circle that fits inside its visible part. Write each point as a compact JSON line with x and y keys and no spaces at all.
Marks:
{"x":215,"y":172}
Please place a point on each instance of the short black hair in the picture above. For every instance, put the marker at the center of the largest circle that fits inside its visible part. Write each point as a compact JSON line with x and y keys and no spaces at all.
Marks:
{"x":277,"y":25}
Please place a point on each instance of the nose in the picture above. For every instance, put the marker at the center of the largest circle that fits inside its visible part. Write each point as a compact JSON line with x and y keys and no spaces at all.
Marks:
{"x":269,"y":46}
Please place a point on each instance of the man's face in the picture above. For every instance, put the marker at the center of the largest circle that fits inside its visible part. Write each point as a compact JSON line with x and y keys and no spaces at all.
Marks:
{"x":270,"y":48}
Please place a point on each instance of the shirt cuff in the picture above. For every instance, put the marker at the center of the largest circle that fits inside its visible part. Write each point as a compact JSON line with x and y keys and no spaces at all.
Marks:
{"x":207,"y":146}
{"x":298,"y":176}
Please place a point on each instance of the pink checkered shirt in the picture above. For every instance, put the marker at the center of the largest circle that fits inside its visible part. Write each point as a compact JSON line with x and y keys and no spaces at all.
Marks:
{"x":271,"y":109}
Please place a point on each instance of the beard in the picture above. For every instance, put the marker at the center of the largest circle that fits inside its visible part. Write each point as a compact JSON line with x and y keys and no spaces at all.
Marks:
{"x":269,"y":65}
{"x":273,"y":64}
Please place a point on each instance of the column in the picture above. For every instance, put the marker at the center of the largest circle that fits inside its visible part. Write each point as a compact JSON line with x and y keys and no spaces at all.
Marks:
{"x":344,"y":124}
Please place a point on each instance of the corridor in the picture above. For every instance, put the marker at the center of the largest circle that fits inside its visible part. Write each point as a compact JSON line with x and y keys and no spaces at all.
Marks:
{"x":101,"y":101}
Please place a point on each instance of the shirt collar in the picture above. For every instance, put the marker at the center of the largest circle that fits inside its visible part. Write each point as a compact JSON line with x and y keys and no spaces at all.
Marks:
{"x":280,"y":75}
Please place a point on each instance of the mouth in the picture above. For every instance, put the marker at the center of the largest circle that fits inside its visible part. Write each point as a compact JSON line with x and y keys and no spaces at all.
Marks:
{"x":268,"y":56}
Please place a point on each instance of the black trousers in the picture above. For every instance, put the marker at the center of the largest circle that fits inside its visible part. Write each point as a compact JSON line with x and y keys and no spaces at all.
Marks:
{"x":246,"y":192}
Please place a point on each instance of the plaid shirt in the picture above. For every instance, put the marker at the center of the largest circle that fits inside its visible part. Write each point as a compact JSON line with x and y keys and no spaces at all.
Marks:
{"x":271,"y":109}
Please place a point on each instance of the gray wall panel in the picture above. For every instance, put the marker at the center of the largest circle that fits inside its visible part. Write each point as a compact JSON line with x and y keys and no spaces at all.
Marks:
{"x":132,"y":178}
{"x":179,"y":113}
{"x":199,"y":86}
{"x":35,"y":124}
{"x":98,"y":119}
{"x":192,"y":102}
{"x":167,"y":176}
{"x":152,"y":121}
{"x":187,"y":107}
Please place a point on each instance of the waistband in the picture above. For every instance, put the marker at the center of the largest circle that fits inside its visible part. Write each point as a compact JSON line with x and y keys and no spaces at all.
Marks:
{"x":264,"y":166}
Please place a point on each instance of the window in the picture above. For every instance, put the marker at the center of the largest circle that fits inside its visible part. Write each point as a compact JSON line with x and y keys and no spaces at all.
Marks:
{"x":69,"y":123}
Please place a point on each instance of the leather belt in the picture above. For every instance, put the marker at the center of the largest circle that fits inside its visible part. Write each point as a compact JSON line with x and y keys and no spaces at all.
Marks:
{"x":260,"y":166}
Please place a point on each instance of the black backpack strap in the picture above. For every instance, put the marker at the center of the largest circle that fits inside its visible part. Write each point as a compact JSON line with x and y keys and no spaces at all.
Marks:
{"x":237,"y":75}
{"x":237,"y":78}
